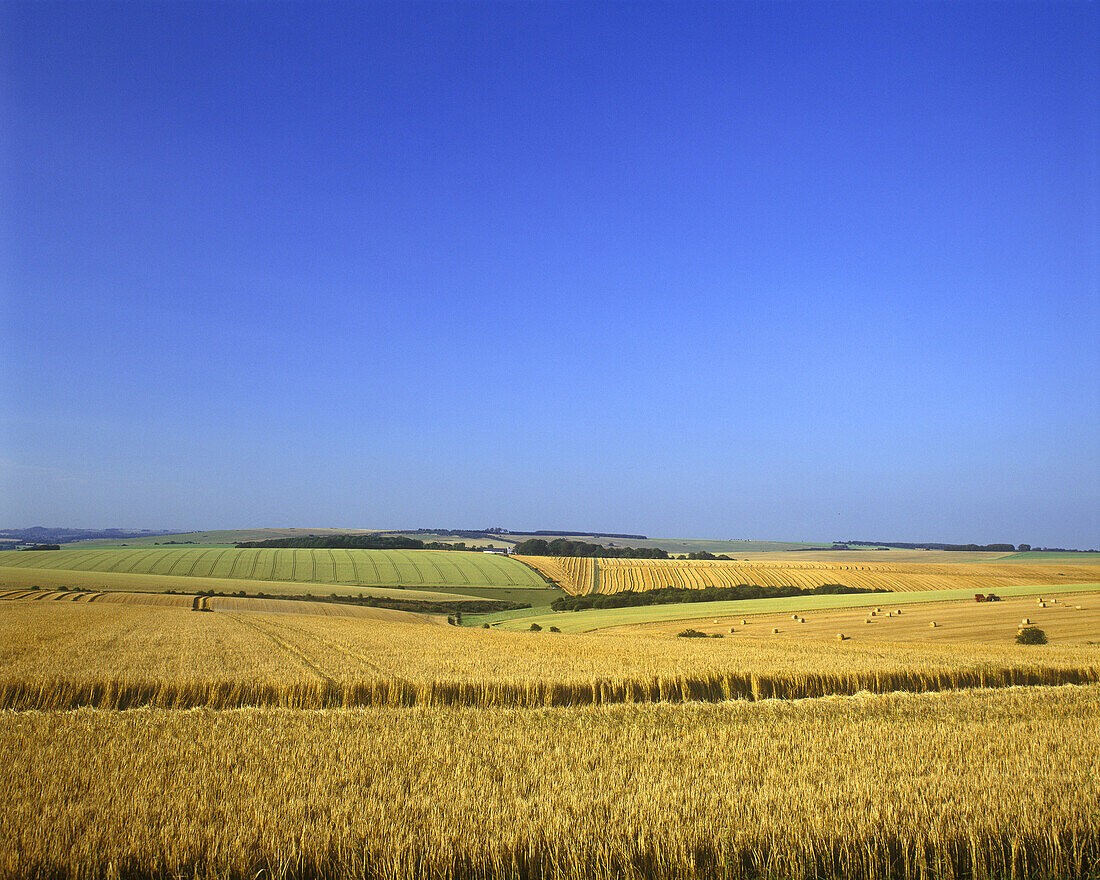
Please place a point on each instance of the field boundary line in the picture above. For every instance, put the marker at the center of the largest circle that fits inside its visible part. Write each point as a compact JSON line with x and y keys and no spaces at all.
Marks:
{"x":60,"y":694}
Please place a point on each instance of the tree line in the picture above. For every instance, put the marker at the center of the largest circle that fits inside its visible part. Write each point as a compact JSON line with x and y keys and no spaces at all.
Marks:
{"x":565,"y":547}
{"x":354,"y":542}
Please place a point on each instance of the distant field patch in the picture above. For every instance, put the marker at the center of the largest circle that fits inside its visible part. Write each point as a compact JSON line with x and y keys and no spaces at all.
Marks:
{"x":1069,"y":619}
{"x":588,"y":621}
{"x":425,"y":570}
{"x":584,"y":576}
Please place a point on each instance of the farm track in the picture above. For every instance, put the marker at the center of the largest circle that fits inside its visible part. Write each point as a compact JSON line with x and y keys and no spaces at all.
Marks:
{"x":138,"y":558}
{"x":278,"y":641}
{"x":404,"y":557}
{"x":196,"y":561}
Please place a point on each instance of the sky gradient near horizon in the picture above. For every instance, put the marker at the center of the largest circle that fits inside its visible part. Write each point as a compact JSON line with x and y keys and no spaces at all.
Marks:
{"x":776,"y":271}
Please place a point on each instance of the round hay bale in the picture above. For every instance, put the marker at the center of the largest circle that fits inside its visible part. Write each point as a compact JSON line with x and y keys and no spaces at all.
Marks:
{"x":731,"y":629}
{"x":775,"y":630}
{"x":794,"y":617}
{"x":868,"y":620}
{"x":1080,"y":607}
{"x":716,"y":620}
{"x":840,"y":637}
{"x":932,"y":624}
{"x":1042,"y":604}
{"x":744,"y":622}
{"x":1025,"y":621}
{"x":879,"y":610}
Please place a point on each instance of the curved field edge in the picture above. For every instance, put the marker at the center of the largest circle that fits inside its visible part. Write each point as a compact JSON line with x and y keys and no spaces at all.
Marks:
{"x":341,"y":569}
{"x":594,"y":619}
{"x":907,"y":787}
{"x":713,"y":687}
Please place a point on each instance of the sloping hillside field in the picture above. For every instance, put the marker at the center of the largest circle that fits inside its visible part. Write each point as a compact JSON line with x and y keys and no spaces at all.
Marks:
{"x":584,"y":576}
{"x":383,"y":568}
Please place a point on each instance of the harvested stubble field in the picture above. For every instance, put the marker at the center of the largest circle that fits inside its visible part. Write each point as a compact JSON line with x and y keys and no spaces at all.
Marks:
{"x":975,"y":784}
{"x":1068,"y":619}
{"x":62,"y":655}
{"x":580,"y":576}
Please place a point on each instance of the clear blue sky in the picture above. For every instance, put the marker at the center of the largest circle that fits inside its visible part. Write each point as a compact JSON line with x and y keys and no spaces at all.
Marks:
{"x":786,"y":271}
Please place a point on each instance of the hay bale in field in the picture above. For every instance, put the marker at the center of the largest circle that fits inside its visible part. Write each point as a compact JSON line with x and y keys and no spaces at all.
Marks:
{"x":932,"y":624}
{"x":868,"y":620}
{"x":1042,"y":604}
{"x":744,"y":622}
{"x":731,"y":629}
{"x":879,"y":610}
{"x":794,"y":617}
{"x":1025,"y":621}
{"x":898,"y":611}
{"x":840,"y":637}
{"x":775,"y":630}
{"x":1080,"y":607}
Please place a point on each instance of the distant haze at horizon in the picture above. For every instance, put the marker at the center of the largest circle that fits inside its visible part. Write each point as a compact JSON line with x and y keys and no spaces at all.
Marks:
{"x":792,"y":272}
{"x":601,"y":534}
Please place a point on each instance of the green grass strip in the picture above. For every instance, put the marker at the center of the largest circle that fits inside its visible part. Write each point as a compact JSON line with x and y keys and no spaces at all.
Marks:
{"x":587,"y":621}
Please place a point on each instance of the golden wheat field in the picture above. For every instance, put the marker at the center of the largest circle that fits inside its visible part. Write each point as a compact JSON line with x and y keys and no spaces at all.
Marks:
{"x":580,"y":576}
{"x":975,"y":784}
{"x":154,"y":741}
{"x":62,"y":655}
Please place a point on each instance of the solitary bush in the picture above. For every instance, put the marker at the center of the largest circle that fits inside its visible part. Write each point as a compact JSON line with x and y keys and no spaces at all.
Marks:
{"x":535,"y":628}
{"x":692,"y":634}
{"x":1031,"y":635}
{"x":554,"y":629}
{"x":485,"y":626}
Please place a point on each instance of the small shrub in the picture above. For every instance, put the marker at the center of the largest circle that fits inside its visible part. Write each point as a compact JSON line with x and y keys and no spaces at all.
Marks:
{"x":716,"y":635}
{"x":691,"y":634}
{"x":535,"y":628}
{"x":1031,"y":635}
{"x":554,"y":629}
{"x":485,"y":626}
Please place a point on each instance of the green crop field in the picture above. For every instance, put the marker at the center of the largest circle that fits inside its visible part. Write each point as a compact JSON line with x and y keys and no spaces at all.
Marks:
{"x":417,"y":569}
